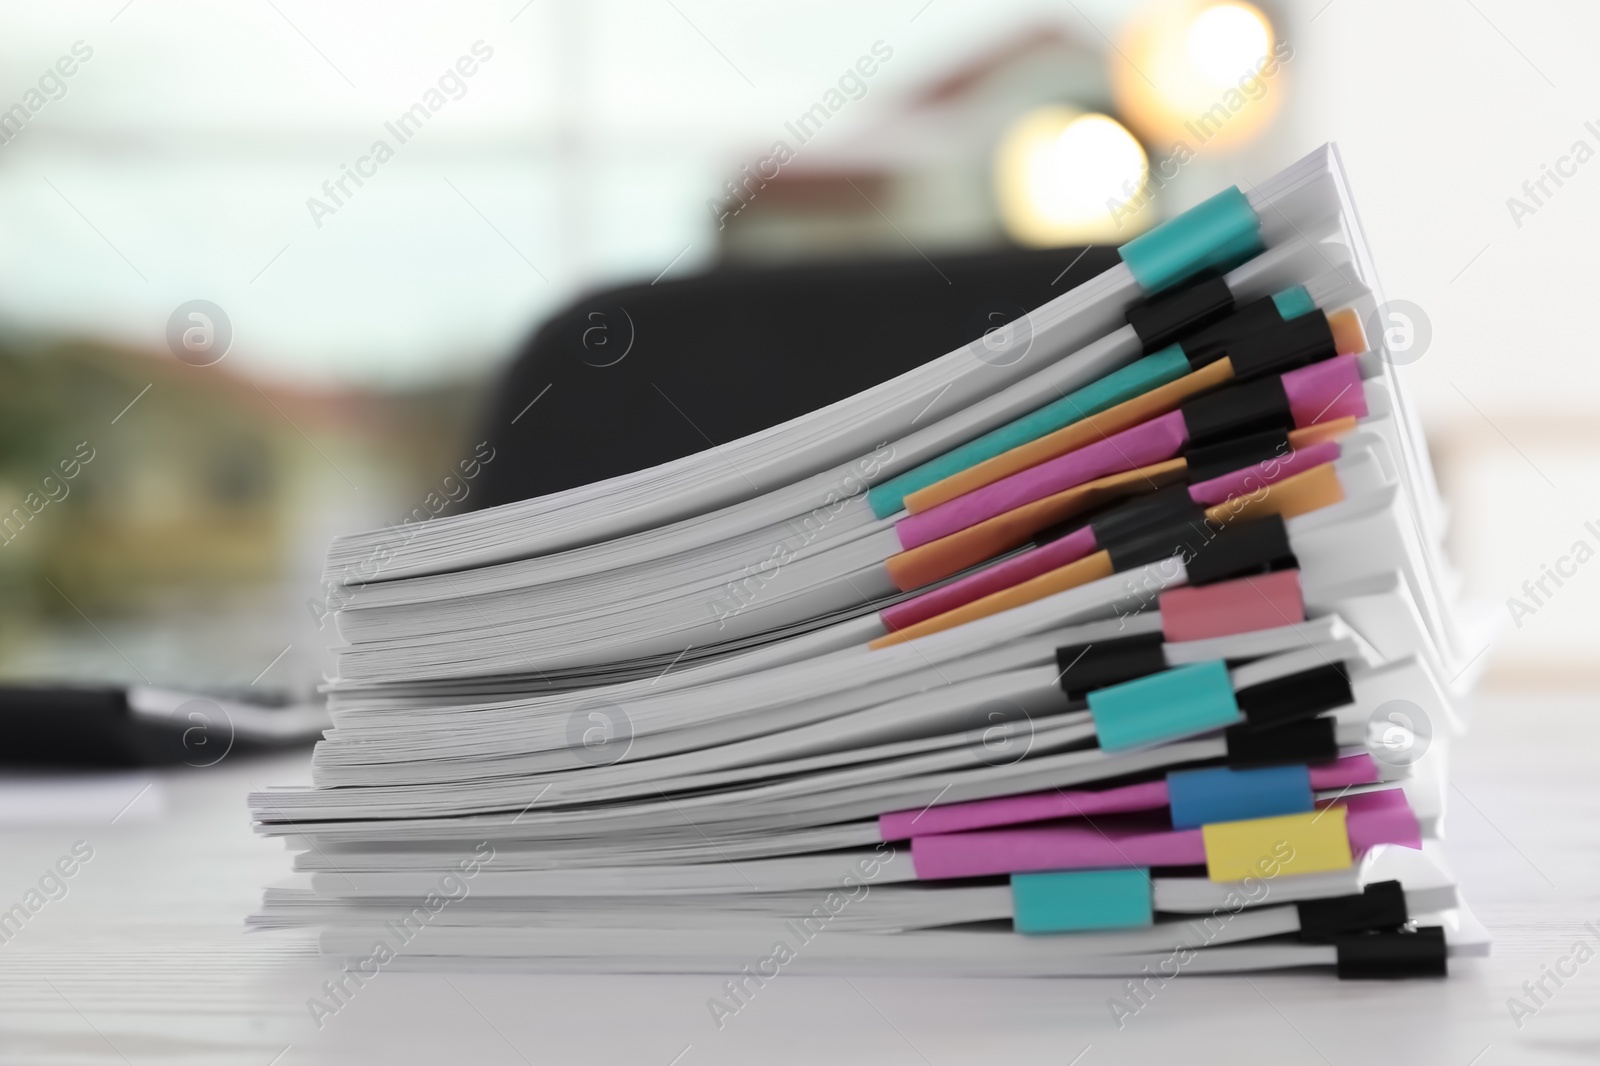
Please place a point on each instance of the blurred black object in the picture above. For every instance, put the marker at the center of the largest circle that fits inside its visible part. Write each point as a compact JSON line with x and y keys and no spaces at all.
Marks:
{"x":106,"y":726}
{"x":631,"y":377}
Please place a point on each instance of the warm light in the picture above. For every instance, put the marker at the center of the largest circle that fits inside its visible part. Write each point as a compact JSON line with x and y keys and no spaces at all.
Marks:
{"x":1226,"y":40}
{"x":1060,"y":173}
{"x":1199,"y":73}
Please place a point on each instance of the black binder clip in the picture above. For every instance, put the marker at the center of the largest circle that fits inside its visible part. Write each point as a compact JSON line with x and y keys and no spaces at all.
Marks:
{"x":1392,"y":956}
{"x":1290,"y":699}
{"x":1180,"y":312}
{"x":1310,"y":740}
{"x":1381,"y":907}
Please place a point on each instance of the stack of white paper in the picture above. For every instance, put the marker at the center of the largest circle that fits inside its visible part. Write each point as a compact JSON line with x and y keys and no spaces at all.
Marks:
{"x":1117,"y":641}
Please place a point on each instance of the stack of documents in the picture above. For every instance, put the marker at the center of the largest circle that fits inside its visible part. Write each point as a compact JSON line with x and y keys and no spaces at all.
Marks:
{"x":1116,"y":642}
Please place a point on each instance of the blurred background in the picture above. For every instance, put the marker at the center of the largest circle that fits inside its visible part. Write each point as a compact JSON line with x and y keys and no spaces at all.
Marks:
{"x":232,"y":326}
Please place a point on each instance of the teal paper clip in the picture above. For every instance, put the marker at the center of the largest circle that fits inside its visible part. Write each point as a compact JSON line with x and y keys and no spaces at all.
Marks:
{"x":1293,"y":302}
{"x":1219,"y":233}
{"x":1070,"y":901}
{"x":1180,"y":702}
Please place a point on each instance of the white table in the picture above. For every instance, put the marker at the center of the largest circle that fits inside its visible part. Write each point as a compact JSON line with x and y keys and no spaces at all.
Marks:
{"x":146,"y":960}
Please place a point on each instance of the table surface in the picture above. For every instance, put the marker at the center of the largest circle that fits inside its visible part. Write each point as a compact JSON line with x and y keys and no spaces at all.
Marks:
{"x":145,"y":958}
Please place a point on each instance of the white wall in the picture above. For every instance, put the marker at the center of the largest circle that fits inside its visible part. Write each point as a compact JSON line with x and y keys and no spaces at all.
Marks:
{"x":1443,"y":109}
